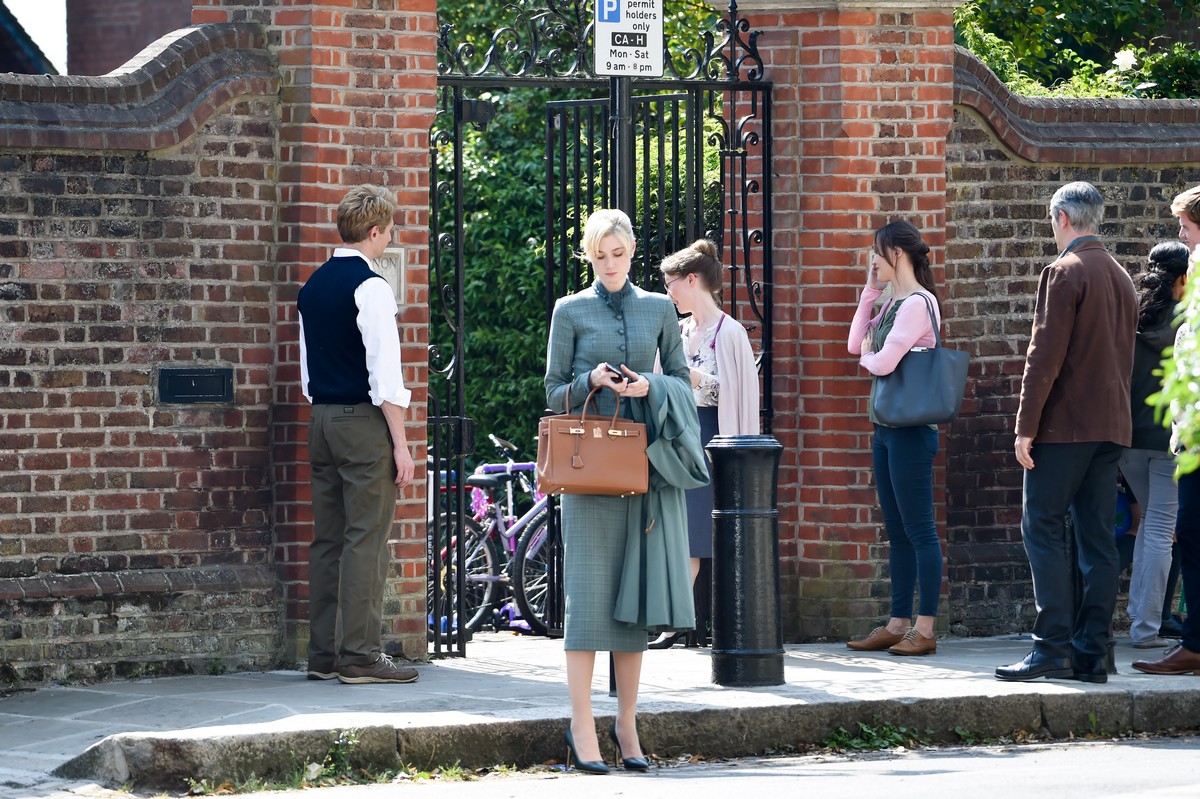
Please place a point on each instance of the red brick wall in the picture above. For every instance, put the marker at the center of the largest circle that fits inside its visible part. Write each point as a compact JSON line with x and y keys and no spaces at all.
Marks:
{"x":135,"y":535}
{"x":360,"y":99}
{"x":102,"y":36}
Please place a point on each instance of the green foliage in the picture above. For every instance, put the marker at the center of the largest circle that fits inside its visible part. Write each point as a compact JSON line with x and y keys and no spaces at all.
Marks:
{"x":1175,"y":72}
{"x":1179,"y":400}
{"x":504,"y":275}
{"x":972,"y":737}
{"x":1037,"y":52}
{"x":337,"y":759}
{"x":883,"y":735}
{"x":1041,"y":34}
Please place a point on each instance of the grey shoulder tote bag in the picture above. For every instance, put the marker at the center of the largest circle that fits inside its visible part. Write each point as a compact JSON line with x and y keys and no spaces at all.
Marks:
{"x":927,"y":385}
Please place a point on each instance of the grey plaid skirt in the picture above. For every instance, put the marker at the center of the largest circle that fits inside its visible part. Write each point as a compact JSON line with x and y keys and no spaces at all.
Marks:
{"x":593,"y":530}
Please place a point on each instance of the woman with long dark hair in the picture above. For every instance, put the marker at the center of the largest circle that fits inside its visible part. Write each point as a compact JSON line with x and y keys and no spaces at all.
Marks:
{"x":903,"y":456}
{"x":1148,"y":465}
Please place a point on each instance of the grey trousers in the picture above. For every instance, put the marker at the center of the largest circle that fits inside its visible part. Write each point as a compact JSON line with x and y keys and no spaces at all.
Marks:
{"x":1151,"y":476}
{"x":354,"y":503}
{"x":1082,"y":478}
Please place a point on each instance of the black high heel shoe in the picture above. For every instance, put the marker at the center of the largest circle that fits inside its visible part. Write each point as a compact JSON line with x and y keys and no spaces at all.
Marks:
{"x":586,"y":766}
{"x":665,"y":641}
{"x":630,"y":763}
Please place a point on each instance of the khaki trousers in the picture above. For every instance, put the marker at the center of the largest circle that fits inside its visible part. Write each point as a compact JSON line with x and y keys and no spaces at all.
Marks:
{"x":354,"y":504}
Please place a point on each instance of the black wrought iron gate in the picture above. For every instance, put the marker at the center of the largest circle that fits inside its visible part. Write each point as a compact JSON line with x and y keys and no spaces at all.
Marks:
{"x":701,"y":168}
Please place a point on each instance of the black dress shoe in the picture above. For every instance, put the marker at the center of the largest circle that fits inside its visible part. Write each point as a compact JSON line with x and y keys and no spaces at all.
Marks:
{"x":586,"y":766}
{"x":665,"y":641}
{"x":1089,"y":668}
{"x":630,"y":763}
{"x":1034,"y":666}
{"x":1171,"y":628}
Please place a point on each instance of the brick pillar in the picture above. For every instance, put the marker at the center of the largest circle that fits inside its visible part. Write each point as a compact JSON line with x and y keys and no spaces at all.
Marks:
{"x":862,"y":107}
{"x":358,"y":98}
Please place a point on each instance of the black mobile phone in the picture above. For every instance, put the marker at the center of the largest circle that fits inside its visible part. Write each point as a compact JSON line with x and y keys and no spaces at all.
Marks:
{"x":617,"y":373}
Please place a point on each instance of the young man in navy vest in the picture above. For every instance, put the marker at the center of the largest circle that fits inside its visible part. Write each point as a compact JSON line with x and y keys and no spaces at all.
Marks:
{"x":350,"y":371}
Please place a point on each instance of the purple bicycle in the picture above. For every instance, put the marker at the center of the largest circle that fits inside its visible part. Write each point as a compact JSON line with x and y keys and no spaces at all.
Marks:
{"x":508,"y":558}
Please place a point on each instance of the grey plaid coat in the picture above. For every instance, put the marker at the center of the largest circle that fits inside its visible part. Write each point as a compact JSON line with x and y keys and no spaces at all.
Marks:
{"x":628,"y":327}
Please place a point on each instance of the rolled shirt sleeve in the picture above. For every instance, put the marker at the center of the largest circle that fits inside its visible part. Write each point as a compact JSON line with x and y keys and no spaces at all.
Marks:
{"x":303,"y":362}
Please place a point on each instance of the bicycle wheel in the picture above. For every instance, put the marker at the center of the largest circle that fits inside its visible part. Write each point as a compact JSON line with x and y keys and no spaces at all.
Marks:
{"x":483,"y":563}
{"x":531,"y":573}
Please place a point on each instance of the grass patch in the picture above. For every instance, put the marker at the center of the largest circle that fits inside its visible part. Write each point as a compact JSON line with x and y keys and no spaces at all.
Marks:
{"x":880,"y":735}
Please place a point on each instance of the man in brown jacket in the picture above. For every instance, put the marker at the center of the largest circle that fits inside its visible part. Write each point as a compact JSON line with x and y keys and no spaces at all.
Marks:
{"x":1072,"y":423}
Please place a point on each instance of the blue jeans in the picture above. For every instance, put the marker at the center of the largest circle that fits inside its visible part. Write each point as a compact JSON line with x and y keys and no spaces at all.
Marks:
{"x":1151,"y":476}
{"x":904,"y":481}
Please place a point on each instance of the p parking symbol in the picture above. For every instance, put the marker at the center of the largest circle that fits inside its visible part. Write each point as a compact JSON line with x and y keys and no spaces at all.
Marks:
{"x":610,"y":10}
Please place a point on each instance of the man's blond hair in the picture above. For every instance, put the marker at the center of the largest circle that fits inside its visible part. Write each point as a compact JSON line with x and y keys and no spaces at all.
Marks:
{"x":363,"y":208}
{"x":1187,"y":204}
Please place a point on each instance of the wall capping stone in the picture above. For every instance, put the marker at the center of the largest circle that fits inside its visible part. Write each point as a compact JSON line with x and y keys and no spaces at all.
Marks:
{"x":208,"y":579}
{"x":156,"y":100}
{"x":1079,"y":130}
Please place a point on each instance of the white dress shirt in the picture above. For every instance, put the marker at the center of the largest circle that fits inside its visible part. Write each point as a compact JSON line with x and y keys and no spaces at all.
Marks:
{"x":377,"y":322}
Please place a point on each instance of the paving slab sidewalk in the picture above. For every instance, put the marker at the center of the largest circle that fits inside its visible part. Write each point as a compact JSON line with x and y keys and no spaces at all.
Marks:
{"x":506,"y":703}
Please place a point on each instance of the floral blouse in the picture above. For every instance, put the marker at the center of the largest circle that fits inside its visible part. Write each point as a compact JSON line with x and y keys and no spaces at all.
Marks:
{"x":704,"y":359}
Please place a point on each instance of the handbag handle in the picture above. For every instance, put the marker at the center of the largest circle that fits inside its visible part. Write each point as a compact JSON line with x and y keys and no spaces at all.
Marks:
{"x":591,"y":399}
{"x":937,"y":333}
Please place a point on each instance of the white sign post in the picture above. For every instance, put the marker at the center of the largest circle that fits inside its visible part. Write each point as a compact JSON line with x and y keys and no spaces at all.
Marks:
{"x":629,"y":38}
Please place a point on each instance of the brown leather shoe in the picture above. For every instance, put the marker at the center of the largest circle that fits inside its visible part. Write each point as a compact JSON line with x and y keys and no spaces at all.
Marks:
{"x":878,"y":640}
{"x":1177,"y":661}
{"x":914,"y":643}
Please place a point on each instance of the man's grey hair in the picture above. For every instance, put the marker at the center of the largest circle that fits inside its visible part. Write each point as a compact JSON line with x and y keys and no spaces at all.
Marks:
{"x":1082,"y":203}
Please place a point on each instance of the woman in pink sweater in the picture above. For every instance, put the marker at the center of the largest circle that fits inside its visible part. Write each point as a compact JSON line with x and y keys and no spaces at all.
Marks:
{"x":903,"y":455}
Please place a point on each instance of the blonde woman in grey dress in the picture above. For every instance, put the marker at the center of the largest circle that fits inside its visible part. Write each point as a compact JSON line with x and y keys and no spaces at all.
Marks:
{"x":606,"y":335}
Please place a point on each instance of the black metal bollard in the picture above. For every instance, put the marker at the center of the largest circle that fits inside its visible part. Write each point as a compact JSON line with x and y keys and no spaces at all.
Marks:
{"x":747,"y":635}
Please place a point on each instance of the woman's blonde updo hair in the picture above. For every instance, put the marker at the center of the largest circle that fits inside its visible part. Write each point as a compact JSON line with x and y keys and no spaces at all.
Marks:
{"x":605,"y":222}
{"x":700,"y":259}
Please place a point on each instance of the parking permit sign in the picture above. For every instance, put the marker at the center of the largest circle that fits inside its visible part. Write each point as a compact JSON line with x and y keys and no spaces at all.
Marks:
{"x":629,"y":38}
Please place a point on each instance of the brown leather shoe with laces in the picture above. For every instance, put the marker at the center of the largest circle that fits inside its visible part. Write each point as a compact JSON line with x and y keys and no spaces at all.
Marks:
{"x":382,"y":670}
{"x":878,"y":640}
{"x":914,"y":643}
{"x":1177,"y":661}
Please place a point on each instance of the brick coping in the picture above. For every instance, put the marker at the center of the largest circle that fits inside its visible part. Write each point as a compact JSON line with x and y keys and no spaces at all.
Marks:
{"x":1079,"y":130}
{"x":208,"y":579}
{"x":156,"y":100}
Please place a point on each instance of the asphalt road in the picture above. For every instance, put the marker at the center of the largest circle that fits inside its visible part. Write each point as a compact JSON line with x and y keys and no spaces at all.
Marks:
{"x":1160,"y":768}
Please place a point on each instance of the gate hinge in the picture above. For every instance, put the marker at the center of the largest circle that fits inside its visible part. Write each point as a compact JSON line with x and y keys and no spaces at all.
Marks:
{"x":478,"y":113}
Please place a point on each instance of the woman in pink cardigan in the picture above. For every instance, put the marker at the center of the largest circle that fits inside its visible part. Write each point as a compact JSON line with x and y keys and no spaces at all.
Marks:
{"x":724,"y":376}
{"x":903,"y":455}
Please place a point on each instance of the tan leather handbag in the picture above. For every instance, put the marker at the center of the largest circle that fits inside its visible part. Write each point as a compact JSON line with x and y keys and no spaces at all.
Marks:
{"x":578,"y":454}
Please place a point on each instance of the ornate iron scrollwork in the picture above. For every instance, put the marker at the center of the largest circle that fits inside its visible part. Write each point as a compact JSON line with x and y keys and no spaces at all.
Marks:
{"x":553,"y":40}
